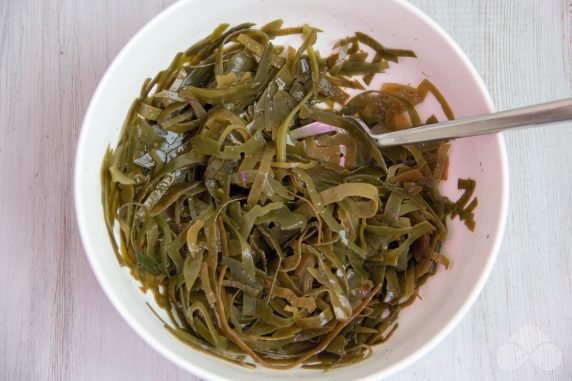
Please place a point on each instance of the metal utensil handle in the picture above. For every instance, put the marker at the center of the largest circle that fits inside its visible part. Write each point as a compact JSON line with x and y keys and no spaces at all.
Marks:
{"x":537,"y":115}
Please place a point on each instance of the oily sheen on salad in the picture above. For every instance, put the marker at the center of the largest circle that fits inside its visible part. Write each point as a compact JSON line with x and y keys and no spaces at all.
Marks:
{"x":263,"y":249}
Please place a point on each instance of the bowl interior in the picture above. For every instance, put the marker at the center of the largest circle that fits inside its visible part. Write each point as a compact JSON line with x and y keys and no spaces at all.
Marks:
{"x":446,"y":297}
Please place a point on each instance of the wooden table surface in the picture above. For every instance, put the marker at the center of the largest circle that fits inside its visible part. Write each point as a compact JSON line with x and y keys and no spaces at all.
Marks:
{"x":55,"y":321}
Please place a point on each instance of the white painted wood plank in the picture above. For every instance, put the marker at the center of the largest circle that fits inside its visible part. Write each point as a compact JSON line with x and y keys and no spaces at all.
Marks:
{"x":55,"y":322}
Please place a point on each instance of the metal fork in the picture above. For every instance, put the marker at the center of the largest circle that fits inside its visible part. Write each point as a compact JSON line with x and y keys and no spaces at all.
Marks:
{"x":531,"y":116}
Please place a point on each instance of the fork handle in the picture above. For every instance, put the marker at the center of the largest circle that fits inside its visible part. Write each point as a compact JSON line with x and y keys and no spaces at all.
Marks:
{"x":531,"y":116}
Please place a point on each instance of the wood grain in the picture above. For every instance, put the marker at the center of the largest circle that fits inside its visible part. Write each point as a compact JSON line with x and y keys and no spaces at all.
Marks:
{"x":55,"y":322}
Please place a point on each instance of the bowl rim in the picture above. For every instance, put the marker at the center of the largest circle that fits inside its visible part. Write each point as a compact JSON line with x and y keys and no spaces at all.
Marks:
{"x":83,"y":223}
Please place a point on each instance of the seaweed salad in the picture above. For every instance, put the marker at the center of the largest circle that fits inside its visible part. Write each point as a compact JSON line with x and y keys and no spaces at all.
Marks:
{"x":261,"y":248}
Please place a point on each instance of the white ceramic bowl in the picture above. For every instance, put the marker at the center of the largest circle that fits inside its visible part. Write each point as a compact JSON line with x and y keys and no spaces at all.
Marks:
{"x":446,"y":297}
